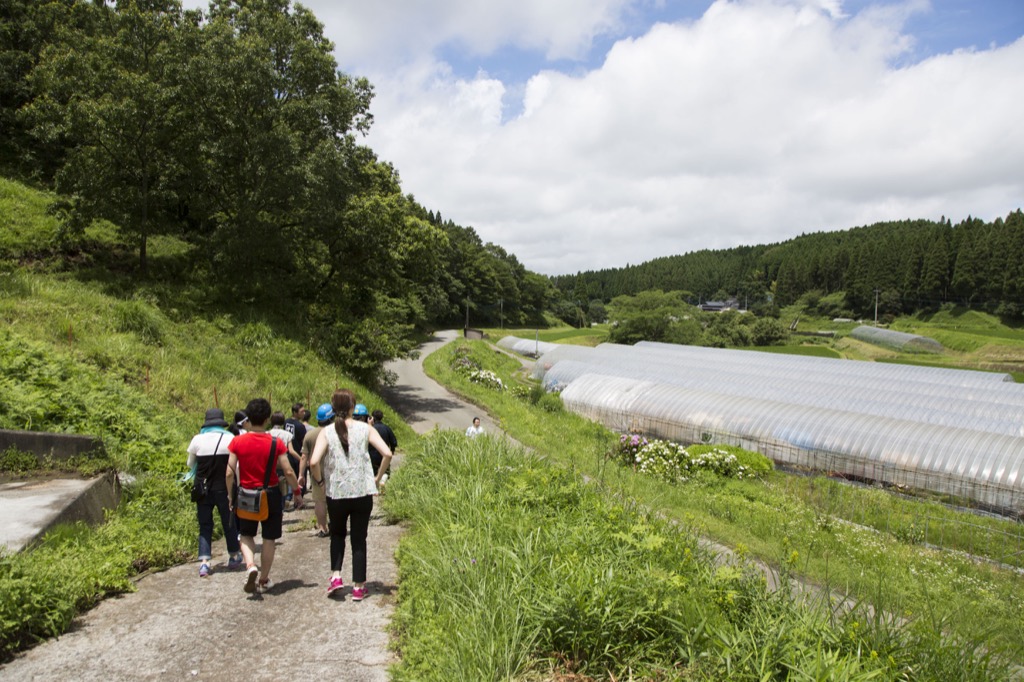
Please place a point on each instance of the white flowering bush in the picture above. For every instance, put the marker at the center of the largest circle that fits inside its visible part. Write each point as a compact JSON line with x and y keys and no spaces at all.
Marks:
{"x":662,"y":459}
{"x":486,"y":377}
{"x":672,"y":462}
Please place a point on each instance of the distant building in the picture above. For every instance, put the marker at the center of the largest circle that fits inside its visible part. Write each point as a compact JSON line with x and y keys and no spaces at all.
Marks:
{"x":719,"y":306}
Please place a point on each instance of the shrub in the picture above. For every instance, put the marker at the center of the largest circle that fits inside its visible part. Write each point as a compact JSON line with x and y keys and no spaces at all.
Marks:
{"x":141,"y":319}
{"x":486,"y":378}
{"x":255,"y":335}
{"x":673,"y":463}
{"x":551,"y":402}
{"x":13,"y":460}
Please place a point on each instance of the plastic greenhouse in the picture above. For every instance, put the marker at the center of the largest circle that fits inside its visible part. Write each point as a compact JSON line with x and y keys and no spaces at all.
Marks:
{"x":953,"y":432}
{"x":528,"y":347}
{"x":887,"y":338}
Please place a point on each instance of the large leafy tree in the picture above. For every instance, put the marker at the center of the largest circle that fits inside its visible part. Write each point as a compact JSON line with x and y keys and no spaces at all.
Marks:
{"x":273,"y":116}
{"x":106,"y":90}
{"x":648,"y":316}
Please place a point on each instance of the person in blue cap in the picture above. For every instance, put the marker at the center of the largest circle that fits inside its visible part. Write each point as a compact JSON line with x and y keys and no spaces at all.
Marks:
{"x":324,"y":417}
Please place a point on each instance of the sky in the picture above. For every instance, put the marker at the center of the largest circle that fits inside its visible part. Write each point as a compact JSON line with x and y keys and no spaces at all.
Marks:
{"x":589,"y":134}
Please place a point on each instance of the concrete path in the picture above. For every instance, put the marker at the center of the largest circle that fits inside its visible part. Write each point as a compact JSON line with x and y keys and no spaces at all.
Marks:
{"x":178,"y":626}
{"x":423,"y":403}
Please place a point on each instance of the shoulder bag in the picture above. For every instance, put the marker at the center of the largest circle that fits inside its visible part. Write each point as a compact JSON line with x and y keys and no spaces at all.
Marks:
{"x":252,"y":503}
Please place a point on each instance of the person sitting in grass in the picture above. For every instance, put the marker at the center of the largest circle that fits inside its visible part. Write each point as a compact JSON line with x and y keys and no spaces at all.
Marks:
{"x":475,"y":430}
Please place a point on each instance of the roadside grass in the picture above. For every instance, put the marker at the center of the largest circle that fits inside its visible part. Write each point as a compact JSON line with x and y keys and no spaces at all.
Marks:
{"x":787,"y":520}
{"x":515,"y":568}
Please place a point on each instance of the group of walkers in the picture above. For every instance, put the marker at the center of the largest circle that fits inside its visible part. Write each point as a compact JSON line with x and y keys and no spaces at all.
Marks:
{"x":345,"y":460}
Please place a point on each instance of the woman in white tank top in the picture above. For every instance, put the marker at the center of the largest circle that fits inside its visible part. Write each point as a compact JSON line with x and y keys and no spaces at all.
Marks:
{"x":341,"y":464}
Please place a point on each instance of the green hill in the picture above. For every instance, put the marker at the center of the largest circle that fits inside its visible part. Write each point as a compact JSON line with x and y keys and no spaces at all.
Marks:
{"x":84,"y":348}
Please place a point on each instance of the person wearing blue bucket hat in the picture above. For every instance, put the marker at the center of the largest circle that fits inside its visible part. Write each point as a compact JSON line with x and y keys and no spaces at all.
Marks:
{"x":324,"y":417}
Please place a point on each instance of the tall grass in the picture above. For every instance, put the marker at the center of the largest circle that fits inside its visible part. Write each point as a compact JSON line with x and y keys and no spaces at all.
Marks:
{"x":773,"y":523}
{"x":517,"y":569}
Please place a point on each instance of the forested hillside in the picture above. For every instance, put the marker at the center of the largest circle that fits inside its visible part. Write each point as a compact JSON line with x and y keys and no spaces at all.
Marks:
{"x":232,"y":131}
{"x":912,"y":264}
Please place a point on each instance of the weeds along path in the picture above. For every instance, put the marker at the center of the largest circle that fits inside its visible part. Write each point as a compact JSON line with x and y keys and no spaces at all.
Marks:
{"x":179,"y":626}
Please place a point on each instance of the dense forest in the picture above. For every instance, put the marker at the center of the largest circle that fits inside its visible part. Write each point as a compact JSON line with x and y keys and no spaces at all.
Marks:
{"x":902,"y":266}
{"x":232,"y":131}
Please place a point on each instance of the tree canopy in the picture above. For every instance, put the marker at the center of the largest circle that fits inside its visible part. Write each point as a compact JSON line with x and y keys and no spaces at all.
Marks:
{"x":233,"y":130}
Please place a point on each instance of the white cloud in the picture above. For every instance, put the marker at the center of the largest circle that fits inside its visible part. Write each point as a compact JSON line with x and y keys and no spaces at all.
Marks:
{"x":388,"y":33}
{"x":757,"y":122}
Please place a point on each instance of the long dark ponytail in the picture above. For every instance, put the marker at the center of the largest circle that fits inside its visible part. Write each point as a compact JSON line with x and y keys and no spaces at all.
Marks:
{"x":343,"y":401}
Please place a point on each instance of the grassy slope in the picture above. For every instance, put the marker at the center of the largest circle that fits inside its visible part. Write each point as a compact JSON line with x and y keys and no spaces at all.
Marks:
{"x":786,"y":521}
{"x":514,"y":568}
{"x":88,"y":349}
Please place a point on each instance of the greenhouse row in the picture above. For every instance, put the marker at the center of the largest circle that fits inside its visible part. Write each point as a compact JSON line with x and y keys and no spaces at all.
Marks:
{"x":954,"y":432}
{"x":529,"y":347}
{"x":901,"y":341}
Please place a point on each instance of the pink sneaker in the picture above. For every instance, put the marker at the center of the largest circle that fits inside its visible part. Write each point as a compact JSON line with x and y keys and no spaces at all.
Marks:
{"x":358,"y":593}
{"x":336,"y":584}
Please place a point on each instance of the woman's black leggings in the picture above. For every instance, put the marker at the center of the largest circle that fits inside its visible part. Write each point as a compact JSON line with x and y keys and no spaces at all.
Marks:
{"x":338,"y":513}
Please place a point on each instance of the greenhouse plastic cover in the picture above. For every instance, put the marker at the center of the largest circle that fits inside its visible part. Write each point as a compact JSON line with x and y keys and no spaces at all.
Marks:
{"x":529,"y":347}
{"x":949,"y":431}
{"x":893,"y":339}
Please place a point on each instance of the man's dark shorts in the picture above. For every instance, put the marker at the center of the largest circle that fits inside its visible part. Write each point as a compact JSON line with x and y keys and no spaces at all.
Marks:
{"x":272,"y":526}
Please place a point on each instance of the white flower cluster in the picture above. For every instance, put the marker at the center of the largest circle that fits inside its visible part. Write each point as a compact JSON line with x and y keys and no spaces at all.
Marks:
{"x":674,"y":463}
{"x":486,"y":377}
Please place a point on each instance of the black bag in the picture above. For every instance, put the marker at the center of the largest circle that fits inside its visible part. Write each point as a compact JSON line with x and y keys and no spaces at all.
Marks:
{"x":200,"y":488}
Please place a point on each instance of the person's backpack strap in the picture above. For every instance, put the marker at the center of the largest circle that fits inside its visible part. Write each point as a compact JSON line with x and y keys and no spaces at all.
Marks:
{"x":208,"y":464}
{"x":270,"y":462}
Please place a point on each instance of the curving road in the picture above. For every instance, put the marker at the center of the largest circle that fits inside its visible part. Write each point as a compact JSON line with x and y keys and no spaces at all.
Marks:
{"x":424,"y":404}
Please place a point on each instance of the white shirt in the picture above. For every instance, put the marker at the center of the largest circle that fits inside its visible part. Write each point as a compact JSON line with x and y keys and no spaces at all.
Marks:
{"x":474,"y":431}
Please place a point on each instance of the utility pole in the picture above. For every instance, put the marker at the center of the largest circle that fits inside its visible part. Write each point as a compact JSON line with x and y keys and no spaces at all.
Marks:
{"x":501,"y":313}
{"x":876,"y":307}
{"x":467,"y":313}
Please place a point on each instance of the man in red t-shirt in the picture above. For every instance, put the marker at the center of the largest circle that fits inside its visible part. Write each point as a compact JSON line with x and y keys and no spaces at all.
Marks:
{"x":250,"y":454}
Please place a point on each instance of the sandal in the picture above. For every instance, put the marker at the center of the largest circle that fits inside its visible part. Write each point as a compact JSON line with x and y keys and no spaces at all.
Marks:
{"x":322,"y":534}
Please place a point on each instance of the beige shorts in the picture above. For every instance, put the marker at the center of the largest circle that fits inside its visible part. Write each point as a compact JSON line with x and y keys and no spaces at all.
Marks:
{"x":319,"y":492}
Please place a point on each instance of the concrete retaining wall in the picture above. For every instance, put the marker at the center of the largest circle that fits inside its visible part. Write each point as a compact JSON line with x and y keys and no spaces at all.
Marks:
{"x":30,"y":508}
{"x":59,"y":446}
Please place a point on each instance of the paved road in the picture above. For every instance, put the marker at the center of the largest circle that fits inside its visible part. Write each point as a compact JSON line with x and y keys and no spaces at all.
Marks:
{"x":425,"y":404}
{"x":178,"y":626}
